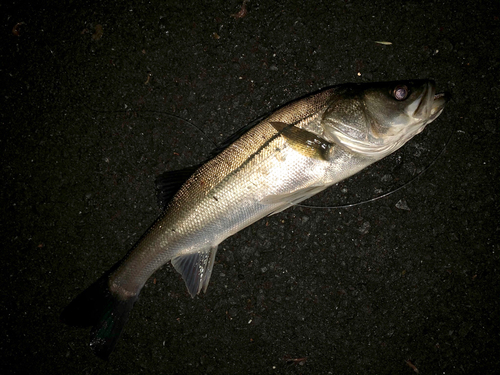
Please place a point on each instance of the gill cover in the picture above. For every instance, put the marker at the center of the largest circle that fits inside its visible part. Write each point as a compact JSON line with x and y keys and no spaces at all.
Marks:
{"x":376,"y":119}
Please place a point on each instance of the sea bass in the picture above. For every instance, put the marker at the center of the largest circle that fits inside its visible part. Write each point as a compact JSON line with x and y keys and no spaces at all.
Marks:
{"x":298,"y":151}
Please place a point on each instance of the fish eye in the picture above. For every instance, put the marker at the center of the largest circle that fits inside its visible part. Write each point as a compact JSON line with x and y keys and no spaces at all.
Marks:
{"x":400,"y":92}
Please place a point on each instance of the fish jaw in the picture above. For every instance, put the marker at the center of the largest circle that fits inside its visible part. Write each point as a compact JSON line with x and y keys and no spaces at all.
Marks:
{"x":439,"y":103}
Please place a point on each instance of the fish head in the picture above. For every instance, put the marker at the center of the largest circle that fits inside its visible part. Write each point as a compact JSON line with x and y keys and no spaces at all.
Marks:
{"x":376,"y":119}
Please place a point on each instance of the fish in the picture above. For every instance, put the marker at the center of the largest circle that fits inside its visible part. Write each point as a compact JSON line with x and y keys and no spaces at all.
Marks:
{"x":297,"y":151}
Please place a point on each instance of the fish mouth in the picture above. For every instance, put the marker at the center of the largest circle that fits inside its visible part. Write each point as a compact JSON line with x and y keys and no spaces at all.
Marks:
{"x":438,"y":104}
{"x":424,"y":101}
{"x":430,"y":104}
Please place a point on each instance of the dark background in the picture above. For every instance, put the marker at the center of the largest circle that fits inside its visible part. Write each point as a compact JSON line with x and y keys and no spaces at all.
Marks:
{"x":408,"y":280}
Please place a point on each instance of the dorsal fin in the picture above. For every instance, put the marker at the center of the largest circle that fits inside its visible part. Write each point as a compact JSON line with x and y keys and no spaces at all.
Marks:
{"x":168,"y":183}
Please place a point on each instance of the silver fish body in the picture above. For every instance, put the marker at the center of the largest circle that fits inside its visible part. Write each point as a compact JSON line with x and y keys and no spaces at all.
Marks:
{"x":298,"y":151}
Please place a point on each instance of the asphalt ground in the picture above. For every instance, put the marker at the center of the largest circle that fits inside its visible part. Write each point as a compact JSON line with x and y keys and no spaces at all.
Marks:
{"x":101,"y":97}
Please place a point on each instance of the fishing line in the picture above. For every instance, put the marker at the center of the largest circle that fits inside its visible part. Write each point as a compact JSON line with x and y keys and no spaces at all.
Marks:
{"x":298,"y":205}
{"x":391,"y":191}
{"x":157,"y":112}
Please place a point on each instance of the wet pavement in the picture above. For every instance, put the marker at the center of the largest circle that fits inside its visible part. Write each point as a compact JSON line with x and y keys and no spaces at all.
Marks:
{"x":100,"y":98}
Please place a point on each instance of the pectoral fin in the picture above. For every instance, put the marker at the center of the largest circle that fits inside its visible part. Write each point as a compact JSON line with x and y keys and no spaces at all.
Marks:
{"x":303,"y":141}
{"x":289,"y":199}
{"x":196,"y":269}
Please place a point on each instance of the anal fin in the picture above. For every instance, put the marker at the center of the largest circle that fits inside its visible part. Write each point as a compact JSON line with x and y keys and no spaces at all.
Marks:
{"x":196,"y":269}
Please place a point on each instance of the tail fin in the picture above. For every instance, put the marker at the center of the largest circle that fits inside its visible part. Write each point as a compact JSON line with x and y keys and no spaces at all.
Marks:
{"x":102,"y":309}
